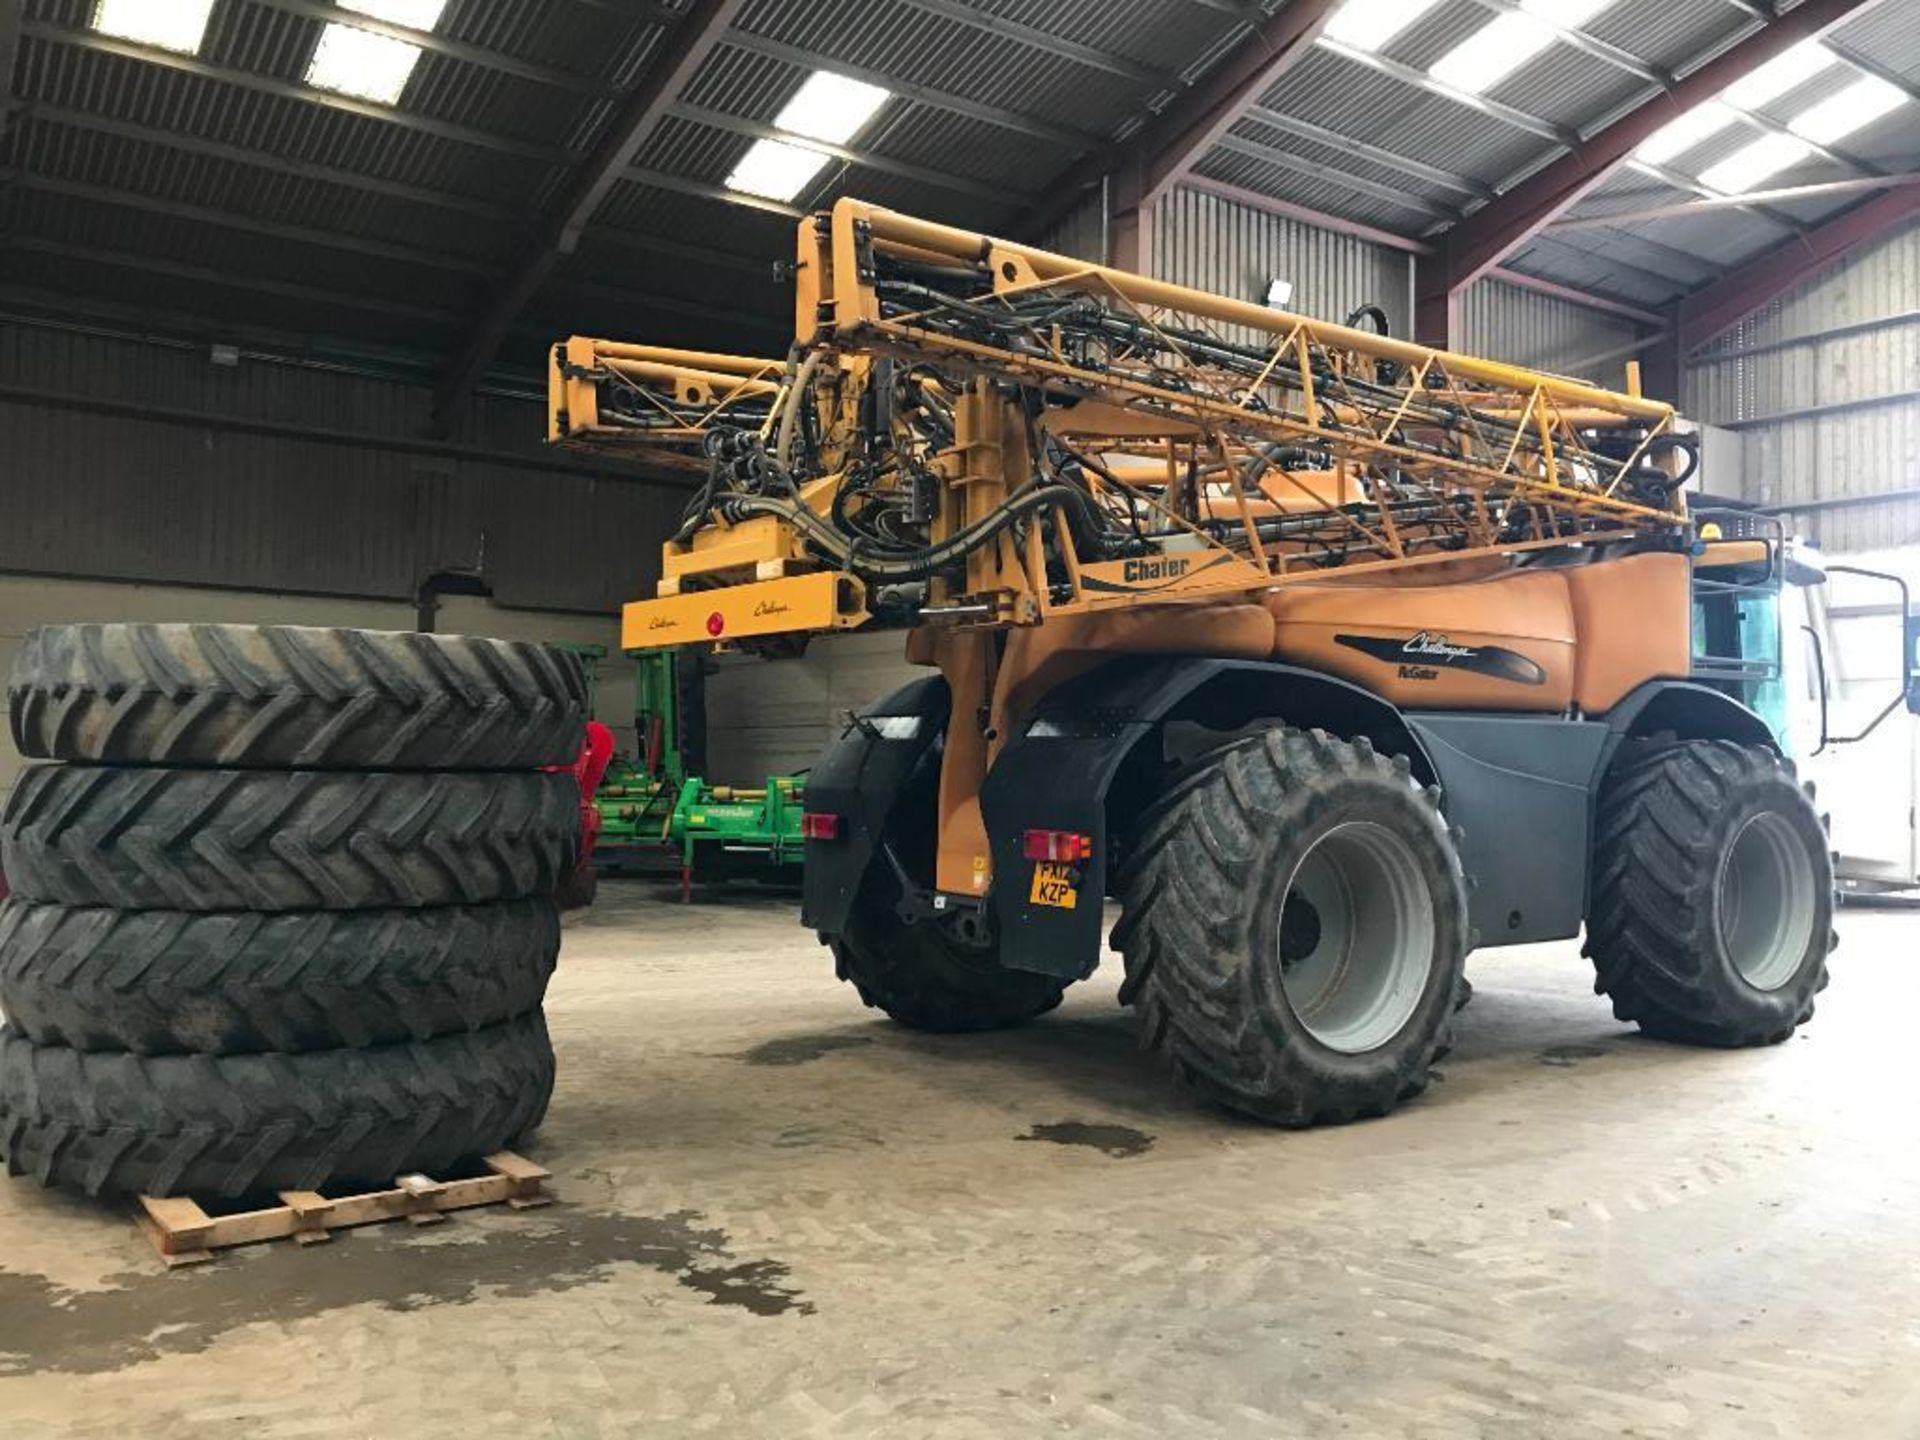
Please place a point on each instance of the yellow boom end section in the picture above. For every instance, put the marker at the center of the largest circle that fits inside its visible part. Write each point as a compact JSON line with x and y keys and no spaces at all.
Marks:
{"x":800,"y":604}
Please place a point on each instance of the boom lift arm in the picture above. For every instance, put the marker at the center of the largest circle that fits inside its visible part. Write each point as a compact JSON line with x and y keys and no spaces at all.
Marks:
{"x":971,"y":436}
{"x":970,"y":432}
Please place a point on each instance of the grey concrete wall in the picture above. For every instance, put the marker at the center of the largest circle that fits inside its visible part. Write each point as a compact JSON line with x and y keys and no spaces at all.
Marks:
{"x":771,"y":717}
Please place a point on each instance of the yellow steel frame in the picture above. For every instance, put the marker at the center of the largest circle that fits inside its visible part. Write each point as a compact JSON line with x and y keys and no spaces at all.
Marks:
{"x":1418,"y":456}
{"x":679,"y":396}
{"x":1517,"y":442}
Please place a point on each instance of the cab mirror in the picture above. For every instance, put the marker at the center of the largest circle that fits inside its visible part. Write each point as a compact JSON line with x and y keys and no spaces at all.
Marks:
{"x":1913,"y":664}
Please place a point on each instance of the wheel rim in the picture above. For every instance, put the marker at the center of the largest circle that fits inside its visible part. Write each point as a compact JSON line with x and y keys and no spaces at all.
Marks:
{"x":1767,"y":901}
{"x":1356,"y":937}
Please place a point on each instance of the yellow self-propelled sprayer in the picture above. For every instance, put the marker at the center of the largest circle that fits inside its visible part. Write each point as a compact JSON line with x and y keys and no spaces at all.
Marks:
{"x":1275,"y":630}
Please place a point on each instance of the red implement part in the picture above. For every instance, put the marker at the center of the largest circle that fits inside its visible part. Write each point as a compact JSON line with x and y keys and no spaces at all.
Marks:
{"x":596,"y":753}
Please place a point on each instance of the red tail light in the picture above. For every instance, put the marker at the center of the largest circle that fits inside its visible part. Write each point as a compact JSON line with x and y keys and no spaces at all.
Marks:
{"x":818,"y":825}
{"x":1061,"y":846}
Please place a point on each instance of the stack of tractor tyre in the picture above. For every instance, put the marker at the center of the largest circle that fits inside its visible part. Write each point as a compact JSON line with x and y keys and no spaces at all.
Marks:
{"x":282,"y":912}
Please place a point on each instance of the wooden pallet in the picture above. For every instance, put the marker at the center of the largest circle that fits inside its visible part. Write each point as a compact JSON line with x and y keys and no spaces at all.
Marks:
{"x":185,"y":1234}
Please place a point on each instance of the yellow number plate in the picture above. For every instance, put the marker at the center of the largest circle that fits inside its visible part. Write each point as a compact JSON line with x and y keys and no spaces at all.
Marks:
{"x":1054,"y":885}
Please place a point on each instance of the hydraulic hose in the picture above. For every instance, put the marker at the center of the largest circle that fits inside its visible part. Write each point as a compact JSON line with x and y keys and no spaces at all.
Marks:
{"x":855,"y":555}
{"x":796,"y":397}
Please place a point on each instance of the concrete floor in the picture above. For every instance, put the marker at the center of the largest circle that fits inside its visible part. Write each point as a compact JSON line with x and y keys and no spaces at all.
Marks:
{"x":785,"y":1217}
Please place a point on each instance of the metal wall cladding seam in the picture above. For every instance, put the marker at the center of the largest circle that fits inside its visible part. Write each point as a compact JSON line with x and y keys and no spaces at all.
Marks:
{"x":1523,"y":327}
{"x":1209,"y":243}
{"x":1828,"y":457}
{"x":128,"y":498}
{"x":1786,"y":358}
{"x":1081,"y":232}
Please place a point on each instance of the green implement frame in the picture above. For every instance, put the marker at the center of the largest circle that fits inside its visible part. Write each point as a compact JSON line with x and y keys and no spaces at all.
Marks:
{"x":650,"y":808}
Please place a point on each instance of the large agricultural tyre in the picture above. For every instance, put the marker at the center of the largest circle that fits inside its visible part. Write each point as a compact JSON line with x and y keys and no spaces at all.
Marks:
{"x":926,"y":979}
{"x":242,"y":1124}
{"x":1294,"y":925}
{"x":920,"y":973}
{"x":160,"y":982}
{"x":284,"y":696}
{"x":1712,"y":908}
{"x":286,"y":840}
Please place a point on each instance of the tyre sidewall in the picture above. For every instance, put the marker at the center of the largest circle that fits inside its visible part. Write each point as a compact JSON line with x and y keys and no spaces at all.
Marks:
{"x":1305,"y":817}
{"x":1787,"y":1002}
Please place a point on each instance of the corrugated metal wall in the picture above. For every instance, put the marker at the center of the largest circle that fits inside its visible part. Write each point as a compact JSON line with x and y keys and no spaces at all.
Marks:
{"x":1214,"y":244}
{"x":1825,"y":385}
{"x":1523,"y":327}
{"x":1081,"y":232}
{"x":323,"y":485}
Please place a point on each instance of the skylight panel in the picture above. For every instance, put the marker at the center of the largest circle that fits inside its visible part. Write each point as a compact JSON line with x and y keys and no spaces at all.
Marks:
{"x":1508,"y":41}
{"x":1677,"y":137}
{"x":170,"y":24}
{"x":1854,"y":108}
{"x":1786,"y":71}
{"x":1751,"y":164}
{"x":352,"y":61}
{"x":416,"y":14}
{"x":830,"y":108}
{"x":775,"y":170}
{"x":358,"y":62}
{"x":1369,"y":24}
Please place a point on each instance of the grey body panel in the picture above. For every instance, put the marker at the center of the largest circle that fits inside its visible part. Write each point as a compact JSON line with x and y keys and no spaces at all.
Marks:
{"x":1520,"y":790}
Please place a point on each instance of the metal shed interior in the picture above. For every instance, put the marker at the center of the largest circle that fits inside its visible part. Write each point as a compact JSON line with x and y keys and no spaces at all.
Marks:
{"x":291,"y":336}
{"x":280,"y":286}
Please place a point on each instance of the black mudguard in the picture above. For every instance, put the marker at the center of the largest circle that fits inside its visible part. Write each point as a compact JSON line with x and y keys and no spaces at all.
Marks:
{"x":860,"y":778}
{"x":1687,"y":711}
{"x":1059,"y":773}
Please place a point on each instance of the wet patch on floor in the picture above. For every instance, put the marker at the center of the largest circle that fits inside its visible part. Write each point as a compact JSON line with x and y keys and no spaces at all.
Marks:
{"x":756,"y":1285}
{"x":1119,"y":1141}
{"x":799,"y":1049}
{"x":185,"y":1312}
{"x":1567,"y":1056}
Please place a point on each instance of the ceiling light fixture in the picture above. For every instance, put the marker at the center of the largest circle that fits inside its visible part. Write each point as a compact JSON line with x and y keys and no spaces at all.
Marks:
{"x":352,"y":61}
{"x":1788,"y":70}
{"x":775,"y":170}
{"x":1854,"y":108}
{"x":1751,"y":164}
{"x":1508,"y":41}
{"x":170,"y":24}
{"x":1369,"y":24}
{"x":830,"y":108}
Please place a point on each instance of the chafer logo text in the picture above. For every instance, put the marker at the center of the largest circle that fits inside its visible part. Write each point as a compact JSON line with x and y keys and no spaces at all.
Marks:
{"x":1138,"y":570}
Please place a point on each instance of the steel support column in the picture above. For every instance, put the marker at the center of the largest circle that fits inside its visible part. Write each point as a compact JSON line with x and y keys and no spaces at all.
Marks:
{"x":1661,"y":362}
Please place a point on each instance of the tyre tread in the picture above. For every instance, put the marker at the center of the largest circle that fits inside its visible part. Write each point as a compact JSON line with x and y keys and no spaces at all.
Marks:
{"x":236,"y":1125}
{"x":1650,"y":930}
{"x":158,"y":982}
{"x":248,"y":696}
{"x":1181,"y":932}
{"x":133,"y":838}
